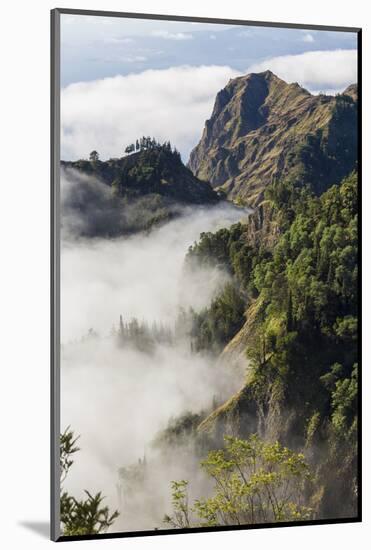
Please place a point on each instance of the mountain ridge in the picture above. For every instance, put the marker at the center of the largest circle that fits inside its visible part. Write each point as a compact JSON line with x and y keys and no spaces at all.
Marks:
{"x":158,"y":170}
{"x":127,"y":195}
{"x":262,"y":129}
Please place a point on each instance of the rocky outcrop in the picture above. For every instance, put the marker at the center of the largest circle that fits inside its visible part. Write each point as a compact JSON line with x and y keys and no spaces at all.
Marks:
{"x":352,"y":91}
{"x":263,"y":129}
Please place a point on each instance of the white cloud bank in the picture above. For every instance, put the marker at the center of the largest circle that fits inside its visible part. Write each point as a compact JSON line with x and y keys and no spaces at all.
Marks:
{"x":140,"y":277}
{"x":173,"y":104}
{"x":331,"y":70}
{"x":170,"y":104}
{"x":118,"y":398}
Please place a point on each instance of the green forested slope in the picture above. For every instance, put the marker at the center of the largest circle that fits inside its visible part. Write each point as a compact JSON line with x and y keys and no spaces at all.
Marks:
{"x":299,"y":330}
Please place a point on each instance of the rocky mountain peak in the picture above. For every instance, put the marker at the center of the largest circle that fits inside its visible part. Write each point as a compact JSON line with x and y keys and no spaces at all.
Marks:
{"x":259,"y":123}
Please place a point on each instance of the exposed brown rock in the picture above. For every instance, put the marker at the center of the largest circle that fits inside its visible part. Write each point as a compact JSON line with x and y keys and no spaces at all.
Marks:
{"x":255,"y":133}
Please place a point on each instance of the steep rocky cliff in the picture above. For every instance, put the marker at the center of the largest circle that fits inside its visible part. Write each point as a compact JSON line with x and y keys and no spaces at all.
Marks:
{"x":263,"y":129}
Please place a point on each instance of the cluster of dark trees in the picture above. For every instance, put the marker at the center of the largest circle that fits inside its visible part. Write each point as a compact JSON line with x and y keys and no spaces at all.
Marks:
{"x":144,"y":143}
{"x":141,"y":335}
{"x":213,"y":327}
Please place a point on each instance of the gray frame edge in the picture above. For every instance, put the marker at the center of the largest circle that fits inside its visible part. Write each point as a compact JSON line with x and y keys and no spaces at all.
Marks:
{"x":55,"y":274}
{"x":161,"y":17}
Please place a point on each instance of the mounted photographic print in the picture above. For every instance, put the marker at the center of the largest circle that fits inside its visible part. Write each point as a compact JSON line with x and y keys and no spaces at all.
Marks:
{"x":205,"y":222}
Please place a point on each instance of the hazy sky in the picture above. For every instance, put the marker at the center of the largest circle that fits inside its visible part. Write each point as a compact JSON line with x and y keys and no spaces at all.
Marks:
{"x":123,"y":78}
{"x":96,"y":47}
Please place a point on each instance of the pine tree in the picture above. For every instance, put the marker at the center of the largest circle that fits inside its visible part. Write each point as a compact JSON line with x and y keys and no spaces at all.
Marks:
{"x":94,"y":156}
{"x":121,"y":330}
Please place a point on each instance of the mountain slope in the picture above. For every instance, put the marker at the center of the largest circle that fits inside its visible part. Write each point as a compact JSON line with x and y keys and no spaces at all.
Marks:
{"x":299,"y":339}
{"x":156,"y":170}
{"x":263,"y":129}
{"x":130,"y":194}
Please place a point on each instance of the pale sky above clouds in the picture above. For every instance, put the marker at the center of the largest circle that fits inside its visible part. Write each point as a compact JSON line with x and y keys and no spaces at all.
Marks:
{"x":96,"y":47}
{"x":123,"y":78}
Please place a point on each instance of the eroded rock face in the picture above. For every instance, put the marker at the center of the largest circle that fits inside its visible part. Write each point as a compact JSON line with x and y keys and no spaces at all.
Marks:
{"x":263,"y":129}
{"x":352,"y":91}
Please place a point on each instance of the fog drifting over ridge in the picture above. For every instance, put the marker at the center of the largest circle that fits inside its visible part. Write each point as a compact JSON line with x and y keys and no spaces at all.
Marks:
{"x":118,"y":398}
{"x":139,"y":276}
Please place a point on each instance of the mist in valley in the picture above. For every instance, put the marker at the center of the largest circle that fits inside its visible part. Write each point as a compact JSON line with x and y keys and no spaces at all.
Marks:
{"x":117,"y":395}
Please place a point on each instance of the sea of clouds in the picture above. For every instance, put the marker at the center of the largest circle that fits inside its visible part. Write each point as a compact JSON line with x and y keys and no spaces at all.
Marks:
{"x":118,"y":398}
